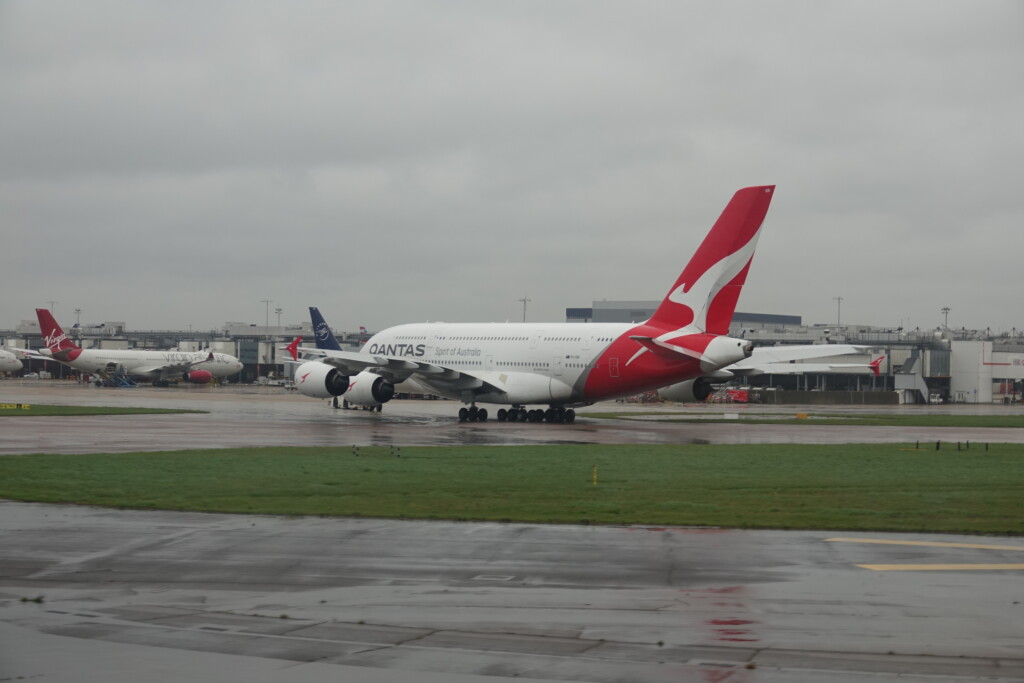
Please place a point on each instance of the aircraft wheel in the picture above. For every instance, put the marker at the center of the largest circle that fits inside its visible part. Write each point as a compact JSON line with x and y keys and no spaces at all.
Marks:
{"x":570,"y":416}
{"x":522,"y":415}
{"x":481,"y":415}
{"x":463,"y":414}
{"x":502,"y":415}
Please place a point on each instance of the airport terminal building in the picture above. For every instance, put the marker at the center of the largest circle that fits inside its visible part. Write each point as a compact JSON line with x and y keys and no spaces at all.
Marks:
{"x":919,"y":366}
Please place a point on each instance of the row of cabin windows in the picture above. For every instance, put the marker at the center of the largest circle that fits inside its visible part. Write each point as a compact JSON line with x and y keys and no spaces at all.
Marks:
{"x":484,"y":338}
{"x":549,"y":339}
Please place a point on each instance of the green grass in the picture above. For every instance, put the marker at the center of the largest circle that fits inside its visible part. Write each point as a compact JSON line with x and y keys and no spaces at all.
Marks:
{"x":869,"y":487}
{"x":904,"y":420}
{"x":26,"y":409}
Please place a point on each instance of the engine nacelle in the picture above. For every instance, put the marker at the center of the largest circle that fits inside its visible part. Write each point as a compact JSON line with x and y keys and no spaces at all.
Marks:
{"x":369,"y":389}
{"x":320,"y":380}
{"x":198,"y":376}
{"x":690,"y":391}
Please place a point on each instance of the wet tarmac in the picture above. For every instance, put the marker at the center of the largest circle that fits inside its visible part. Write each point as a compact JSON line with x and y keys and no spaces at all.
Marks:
{"x":270,"y":416}
{"x":88,"y":594}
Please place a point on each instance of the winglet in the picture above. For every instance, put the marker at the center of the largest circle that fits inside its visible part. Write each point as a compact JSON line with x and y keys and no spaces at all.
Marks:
{"x":705,"y":295}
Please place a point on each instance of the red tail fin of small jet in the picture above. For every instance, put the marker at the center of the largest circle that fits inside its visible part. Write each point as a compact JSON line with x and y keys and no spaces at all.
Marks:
{"x":705,"y":295}
{"x":53,"y":336}
{"x":293,"y":348}
{"x":876,"y":365}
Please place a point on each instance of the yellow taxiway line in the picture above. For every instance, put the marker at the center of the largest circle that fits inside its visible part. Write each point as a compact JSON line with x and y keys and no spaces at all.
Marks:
{"x":934,"y":544}
{"x":938,"y":567}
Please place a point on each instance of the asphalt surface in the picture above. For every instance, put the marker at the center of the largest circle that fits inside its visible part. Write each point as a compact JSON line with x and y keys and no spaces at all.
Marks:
{"x":88,"y":594}
{"x":271,"y":416}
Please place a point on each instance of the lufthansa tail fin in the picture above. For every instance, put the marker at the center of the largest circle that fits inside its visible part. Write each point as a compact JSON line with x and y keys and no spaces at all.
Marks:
{"x":321,"y":332}
{"x":53,"y":336}
{"x":704,"y":297}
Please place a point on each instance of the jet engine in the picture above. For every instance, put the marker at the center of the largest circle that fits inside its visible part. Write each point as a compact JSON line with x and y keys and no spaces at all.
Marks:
{"x":369,"y":389}
{"x":690,"y":391}
{"x":198,"y":376}
{"x":320,"y":380}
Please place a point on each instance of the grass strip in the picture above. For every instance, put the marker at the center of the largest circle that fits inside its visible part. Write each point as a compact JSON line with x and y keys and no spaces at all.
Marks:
{"x":34,"y":409}
{"x":863,"y":486}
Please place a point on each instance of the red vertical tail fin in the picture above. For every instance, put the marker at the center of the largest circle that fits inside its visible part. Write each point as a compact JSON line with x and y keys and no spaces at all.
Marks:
{"x":704,"y":297}
{"x":53,"y":335}
{"x":293,"y":348}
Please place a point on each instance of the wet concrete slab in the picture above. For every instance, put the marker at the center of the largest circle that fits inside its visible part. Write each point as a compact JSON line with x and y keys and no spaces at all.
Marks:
{"x":509,"y":600}
{"x":249,"y":416}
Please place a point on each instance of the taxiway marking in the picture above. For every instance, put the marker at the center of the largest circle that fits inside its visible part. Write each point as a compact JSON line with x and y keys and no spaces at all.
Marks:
{"x":935,"y":544}
{"x":934,"y":567}
{"x":938,"y":567}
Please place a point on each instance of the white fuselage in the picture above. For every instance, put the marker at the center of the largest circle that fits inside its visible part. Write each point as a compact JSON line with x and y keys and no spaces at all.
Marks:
{"x":9,"y":362}
{"x":152,"y":364}
{"x":558,"y":355}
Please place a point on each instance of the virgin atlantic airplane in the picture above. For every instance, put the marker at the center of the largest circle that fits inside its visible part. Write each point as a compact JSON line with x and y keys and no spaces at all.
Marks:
{"x":197,"y":367}
{"x":563,"y":365}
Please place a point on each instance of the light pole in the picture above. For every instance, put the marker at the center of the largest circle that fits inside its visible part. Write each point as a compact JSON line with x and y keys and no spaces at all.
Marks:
{"x":266,"y":322}
{"x":839,"y":310}
{"x":525,"y":301}
{"x":945,"y":313}
{"x":266,"y":326}
{"x":278,"y":311}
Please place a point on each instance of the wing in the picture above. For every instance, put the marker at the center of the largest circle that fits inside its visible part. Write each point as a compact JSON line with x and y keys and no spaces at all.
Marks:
{"x":27,"y":354}
{"x":786,"y":360}
{"x":164,"y":370}
{"x":444,"y":380}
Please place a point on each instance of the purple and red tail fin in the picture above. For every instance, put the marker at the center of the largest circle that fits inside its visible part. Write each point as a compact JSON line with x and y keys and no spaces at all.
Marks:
{"x":705,"y":295}
{"x":53,"y":335}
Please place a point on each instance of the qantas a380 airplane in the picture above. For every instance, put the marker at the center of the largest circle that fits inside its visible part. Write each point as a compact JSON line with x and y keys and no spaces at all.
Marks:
{"x":564,"y":365}
{"x":198,"y":367}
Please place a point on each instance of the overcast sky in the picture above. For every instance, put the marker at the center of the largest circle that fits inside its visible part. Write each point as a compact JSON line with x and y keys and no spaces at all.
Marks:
{"x":170,"y":164}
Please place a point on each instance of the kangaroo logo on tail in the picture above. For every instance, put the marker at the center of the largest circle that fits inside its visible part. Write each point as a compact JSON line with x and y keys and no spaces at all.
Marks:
{"x":704,"y":297}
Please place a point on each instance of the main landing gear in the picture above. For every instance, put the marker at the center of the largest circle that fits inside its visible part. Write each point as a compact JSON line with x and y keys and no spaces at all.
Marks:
{"x":553,"y":415}
{"x":472,"y":414}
